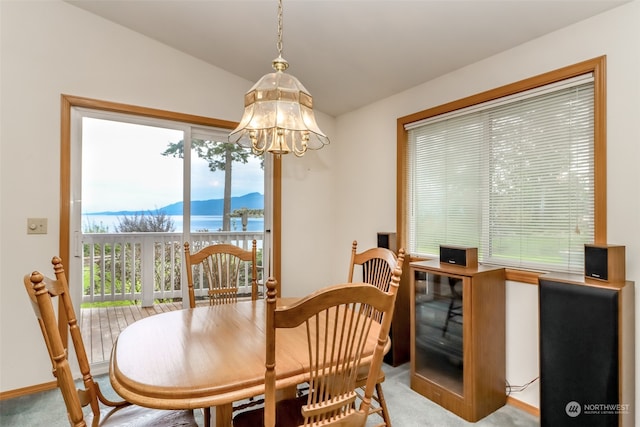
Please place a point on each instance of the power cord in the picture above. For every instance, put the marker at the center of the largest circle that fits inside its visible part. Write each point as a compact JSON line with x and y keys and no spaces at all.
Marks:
{"x":519,"y":388}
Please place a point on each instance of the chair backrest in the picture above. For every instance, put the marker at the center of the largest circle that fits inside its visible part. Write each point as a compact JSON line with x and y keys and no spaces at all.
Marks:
{"x":220,"y":268}
{"x":43,"y":291}
{"x":342,"y":336}
{"x":376,"y":267}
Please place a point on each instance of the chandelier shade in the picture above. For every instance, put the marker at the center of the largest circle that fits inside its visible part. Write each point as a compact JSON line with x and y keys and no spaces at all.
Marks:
{"x":278,"y":113}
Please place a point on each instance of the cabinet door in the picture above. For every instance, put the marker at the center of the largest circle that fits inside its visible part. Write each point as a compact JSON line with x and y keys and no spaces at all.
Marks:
{"x":439,"y":320}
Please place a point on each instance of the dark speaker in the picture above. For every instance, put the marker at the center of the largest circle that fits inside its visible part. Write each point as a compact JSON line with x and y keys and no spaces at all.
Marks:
{"x":604,"y":262}
{"x":399,"y":332}
{"x":388,"y":241}
{"x":459,"y":255}
{"x":580,"y":354}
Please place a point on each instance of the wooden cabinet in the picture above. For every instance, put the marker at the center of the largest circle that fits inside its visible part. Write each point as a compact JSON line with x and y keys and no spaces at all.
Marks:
{"x":458,"y":337}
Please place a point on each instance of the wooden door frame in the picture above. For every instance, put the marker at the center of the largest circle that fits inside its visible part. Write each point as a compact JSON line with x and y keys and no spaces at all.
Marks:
{"x":69,"y":101}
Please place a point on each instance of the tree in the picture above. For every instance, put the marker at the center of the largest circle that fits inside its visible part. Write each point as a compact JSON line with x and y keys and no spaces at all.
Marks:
{"x":127,"y":255}
{"x":220,"y":157}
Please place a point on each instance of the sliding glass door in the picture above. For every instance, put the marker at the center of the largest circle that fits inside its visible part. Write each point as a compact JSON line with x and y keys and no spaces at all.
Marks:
{"x":140,"y":188}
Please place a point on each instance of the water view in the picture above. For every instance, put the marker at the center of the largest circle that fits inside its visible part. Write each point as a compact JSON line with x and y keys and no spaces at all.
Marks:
{"x":198,"y":223}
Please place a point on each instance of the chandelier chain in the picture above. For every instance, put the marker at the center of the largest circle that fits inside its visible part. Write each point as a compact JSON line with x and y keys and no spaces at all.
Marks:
{"x":279,"y":45}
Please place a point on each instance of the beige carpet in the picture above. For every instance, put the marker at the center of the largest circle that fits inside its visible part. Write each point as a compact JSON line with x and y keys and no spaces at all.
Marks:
{"x":407,"y":408}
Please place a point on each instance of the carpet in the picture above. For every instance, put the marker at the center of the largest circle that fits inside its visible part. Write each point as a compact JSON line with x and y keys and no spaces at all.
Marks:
{"x":407,"y":408}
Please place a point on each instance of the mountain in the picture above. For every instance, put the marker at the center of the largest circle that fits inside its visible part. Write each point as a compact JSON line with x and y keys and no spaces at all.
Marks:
{"x":201,"y":207}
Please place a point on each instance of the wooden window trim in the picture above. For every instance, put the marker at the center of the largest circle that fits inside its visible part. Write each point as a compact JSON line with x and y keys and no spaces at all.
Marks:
{"x":597,"y":66}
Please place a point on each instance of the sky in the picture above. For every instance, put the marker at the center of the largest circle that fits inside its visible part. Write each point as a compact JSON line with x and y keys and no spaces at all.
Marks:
{"x":123,"y":169}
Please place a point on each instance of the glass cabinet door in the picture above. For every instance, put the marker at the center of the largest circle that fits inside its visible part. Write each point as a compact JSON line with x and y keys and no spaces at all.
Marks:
{"x":438,"y":329}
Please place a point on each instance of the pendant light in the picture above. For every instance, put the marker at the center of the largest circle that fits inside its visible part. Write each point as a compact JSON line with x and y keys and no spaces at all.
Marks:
{"x":278,"y":112}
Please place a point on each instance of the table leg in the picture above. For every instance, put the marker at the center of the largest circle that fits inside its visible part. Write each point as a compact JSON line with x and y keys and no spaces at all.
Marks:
{"x":286,"y":393}
{"x":224,"y":415}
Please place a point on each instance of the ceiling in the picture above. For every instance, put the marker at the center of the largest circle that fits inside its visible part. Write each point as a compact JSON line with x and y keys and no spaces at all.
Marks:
{"x":347,"y":53}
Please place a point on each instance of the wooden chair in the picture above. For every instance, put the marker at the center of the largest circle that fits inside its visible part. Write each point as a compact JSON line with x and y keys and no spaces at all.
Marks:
{"x":339,"y":326}
{"x":377,"y":266}
{"x":221,"y":265}
{"x":454,"y":312}
{"x":43,"y":291}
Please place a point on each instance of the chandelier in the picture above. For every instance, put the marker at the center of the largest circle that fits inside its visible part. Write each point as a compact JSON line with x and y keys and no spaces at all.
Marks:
{"x":278,"y":112}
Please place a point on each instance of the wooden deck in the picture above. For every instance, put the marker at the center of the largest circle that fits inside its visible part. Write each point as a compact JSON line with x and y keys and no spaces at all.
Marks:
{"x":101,"y":326}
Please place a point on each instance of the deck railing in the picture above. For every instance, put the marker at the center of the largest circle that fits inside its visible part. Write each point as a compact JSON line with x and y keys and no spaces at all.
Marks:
{"x":146,"y":267}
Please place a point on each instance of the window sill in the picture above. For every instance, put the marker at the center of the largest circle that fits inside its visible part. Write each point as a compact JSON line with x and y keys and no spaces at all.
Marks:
{"x":524,"y":276}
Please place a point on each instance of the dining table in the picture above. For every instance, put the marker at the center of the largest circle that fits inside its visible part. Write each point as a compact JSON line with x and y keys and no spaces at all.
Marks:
{"x":209,"y":356}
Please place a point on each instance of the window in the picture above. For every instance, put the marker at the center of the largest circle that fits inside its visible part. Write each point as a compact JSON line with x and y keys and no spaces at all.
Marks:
{"x":512,"y":172}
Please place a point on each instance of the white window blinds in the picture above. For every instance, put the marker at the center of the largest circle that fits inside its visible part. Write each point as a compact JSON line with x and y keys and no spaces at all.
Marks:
{"x":513,"y":177}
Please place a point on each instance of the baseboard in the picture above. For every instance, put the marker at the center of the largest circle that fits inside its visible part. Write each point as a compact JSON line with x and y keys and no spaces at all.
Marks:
{"x":27,"y":390}
{"x":523,"y":406}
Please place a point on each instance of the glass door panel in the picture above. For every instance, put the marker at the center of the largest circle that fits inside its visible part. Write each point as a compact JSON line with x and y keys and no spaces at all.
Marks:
{"x":129,"y":193}
{"x":227,"y":201}
{"x":439,"y":325}
{"x":137,"y":186}
{"x":126,"y":179}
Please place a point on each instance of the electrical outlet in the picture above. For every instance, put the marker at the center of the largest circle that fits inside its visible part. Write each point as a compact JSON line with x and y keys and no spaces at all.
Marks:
{"x":36,"y":225}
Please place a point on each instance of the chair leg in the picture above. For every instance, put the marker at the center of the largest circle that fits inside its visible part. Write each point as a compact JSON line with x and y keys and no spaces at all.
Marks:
{"x":206,"y":413}
{"x":383,"y":405}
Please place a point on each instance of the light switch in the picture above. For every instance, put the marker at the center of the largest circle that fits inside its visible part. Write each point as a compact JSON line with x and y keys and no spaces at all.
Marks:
{"x":36,"y":225}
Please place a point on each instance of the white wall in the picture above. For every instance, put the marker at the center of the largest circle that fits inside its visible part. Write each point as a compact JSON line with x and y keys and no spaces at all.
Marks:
{"x":51,"y":48}
{"x":366,"y":155}
{"x":343,"y":192}
{"x":309,"y":213}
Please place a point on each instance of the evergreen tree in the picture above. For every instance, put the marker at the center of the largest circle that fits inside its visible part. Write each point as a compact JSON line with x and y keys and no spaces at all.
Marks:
{"x":220,"y":157}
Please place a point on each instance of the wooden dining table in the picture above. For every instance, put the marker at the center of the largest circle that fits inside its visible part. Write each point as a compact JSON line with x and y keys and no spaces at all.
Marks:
{"x":205,"y":356}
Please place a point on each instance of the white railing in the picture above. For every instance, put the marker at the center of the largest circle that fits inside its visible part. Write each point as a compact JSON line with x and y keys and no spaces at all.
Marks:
{"x":148,"y":266}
